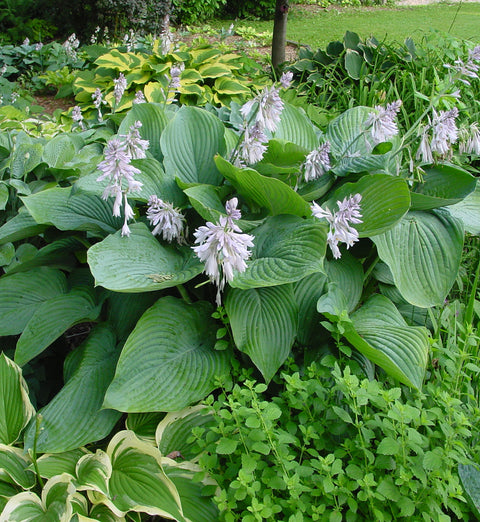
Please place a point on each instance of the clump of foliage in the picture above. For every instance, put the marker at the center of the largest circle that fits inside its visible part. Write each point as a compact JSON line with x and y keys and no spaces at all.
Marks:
{"x":263,"y":9}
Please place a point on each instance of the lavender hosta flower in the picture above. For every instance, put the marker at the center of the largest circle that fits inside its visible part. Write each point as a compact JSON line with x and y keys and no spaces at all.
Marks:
{"x":26,"y":41}
{"x":269,"y":109}
{"x":38,"y":46}
{"x":135,"y":147}
{"x":317,"y":163}
{"x":175,"y":73}
{"x":469,"y":139}
{"x":166,"y":40}
{"x":120,"y":84}
{"x":71,"y":45}
{"x":444,"y":132}
{"x":14,"y":97}
{"x":139,"y":98}
{"x":98,"y":101}
{"x":382,"y":122}
{"x":167,"y":220}
{"x":252,"y":148}
{"x":223,"y":248}
{"x":340,"y":222}
{"x":469,"y":68}
{"x":424,"y":152}
{"x":286,"y":79}
{"x":232,"y":211}
{"x":77,"y":116}
{"x":3,"y":70}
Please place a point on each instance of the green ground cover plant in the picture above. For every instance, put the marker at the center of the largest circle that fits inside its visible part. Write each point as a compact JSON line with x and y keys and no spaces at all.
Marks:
{"x":249,"y":248}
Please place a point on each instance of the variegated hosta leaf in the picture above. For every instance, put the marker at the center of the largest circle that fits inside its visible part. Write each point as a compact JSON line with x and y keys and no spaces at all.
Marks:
{"x":141,"y":263}
{"x":264,"y":324}
{"x":15,"y":406}
{"x":423,"y":252}
{"x":55,"y":504}
{"x":169,"y":360}
{"x":138,"y":482}
{"x":286,"y":249}
{"x":93,"y":471}
{"x":50,"y":465}
{"x":14,"y":467}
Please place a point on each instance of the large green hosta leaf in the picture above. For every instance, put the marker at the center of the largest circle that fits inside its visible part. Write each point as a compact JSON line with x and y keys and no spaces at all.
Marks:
{"x":22,"y":294}
{"x":74,"y":416}
{"x":423,"y":252}
{"x":269,"y":193}
{"x":385,"y":200}
{"x":264,"y":324}
{"x":296,"y":127}
{"x":286,"y":249}
{"x":190,"y":142}
{"x":468,"y":211}
{"x":15,"y":406}
{"x":15,"y":467}
{"x":57,"y":206}
{"x":378,"y":330}
{"x":140,"y":263}
{"x":21,"y":226}
{"x":168,"y":361}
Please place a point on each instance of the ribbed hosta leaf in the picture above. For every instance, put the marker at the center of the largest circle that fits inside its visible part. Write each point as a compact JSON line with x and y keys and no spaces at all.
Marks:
{"x":21,"y":226}
{"x":307,"y":292}
{"x":468,"y":211}
{"x":206,"y":201}
{"x":93,"y":471}
{"x":138,"y":482}
{"x":15,"y":467}
{"x":168,"y":361}
{"x":270,"y":193}
{"x":264,"y":324}
{"x":385,"y":200}
{"x":15,"y":406}
{"x":51,"y":319}
{"x":347,"y":273}
{"x":22,"y":294}
{"x":296,"y":127}
{"x":190,"y":142}
{"x":53,"y":464}
{"x":423,"y":252}
{"x":57,"y":206}
{"x":442,"y":185}
{"x":58,"y":151}
{"x":286,"y":249}
{"x":74,"y":416}
{"x":154,"y":120}
{"x":140,"y":263}
{"x":470,"y":477}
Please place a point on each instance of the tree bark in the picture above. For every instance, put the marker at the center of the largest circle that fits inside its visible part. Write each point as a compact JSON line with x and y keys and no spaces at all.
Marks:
{"x":279,"y":39}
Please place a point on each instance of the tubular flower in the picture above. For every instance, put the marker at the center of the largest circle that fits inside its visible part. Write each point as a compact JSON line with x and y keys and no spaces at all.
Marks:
{"x":469,"y":142}
{"x":134,"y":145}
{"x":139,"y":98}
{"x":445,"y":131}
{"x":270,"y":107}
{"x":286,"y":79}
{"x":98,"y":101}
{"x":120,"y":84}
{"x":77,"y":116}
{"x":223,"y":248}
{"x":469,"y":68}
{"x":382,"y":122}
{"x":167,"y":220}
{"x":340,"y":222}
{"x":252,"y":148}
{"x":317,"y":163}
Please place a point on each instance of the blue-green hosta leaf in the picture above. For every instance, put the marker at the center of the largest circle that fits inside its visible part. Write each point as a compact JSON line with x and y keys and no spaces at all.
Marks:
{"x":442,"y":185}
{"x":15,"y":406}
{"x":66,"y":211}
{"x":74,"y":416}
{"x":168,"y":361}
{"x":264,"y":324}
{"x":58,"y":151}
{"x":297,"y":128}
{"x":138,"y":482}
{"x":385,"y":200}
{"x":347,"y":273}
{"x":140,"y":263}
{"x":26,"y":157}
{"x":52,"y":464}
{"x":55,"y":504}
{"x":22,"y":294}
{"x":173,"y":433}
{"x":144,"y":424}
{"x":15,"y":467}
{"x":21,"y":226}
{"x":152,"y":176}
{"x":286,"y":249}
{"x":51,"y":319}
{"x":282,"y":157}
{"x":7,"y":254}
{"x":468,"y":211}
{"x":423,"y":252}
{"x":470,"y":477}
{"x":154,"y":120}
{"x":190,"y":142}
{"x":269,"y":193}
{"x":206,"y":201}
{"x":4,"y":194}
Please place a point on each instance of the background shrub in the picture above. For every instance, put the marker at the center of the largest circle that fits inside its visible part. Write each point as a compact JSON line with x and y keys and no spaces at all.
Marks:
{"x":192,"y":12}
{"x":264,"y":9}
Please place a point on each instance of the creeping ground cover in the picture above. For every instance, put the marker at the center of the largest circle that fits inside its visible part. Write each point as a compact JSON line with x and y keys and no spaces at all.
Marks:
{"x":221,"y":302}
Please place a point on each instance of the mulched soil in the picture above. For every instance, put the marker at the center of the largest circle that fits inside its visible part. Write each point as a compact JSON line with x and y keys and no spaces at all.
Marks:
{"x":50,"y":104}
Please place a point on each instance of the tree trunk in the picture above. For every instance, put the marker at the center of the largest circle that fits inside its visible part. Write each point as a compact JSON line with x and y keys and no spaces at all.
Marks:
{"x":279,"y":39}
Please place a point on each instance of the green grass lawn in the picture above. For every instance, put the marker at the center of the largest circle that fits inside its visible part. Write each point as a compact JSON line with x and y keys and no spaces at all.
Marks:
{"x":318,"y":28}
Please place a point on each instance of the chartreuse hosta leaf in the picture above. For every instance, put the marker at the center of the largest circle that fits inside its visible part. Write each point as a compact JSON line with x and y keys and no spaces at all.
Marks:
{"x":140,"y":263}
{"x":174,"y":430}
{"x":169,"y":360}
{"x":21,"y":295}
{"x":385,"y":200}
{"x":269,"y":193}
{"x":264,"y":324}
{"x":442,"y":185}
{"x":425,"y":267}
{"x":379,"y":332}
{"x":286,"y":249}
{"x":15,"y":406}
{"x":59,"y":207}
{"x":74,"y":417}
{"x":51,"y":319}
{"x":138,"y":482}
{"x":189,"y":144}
{"x":468,"y":211}
{"x":55,"y":504}
{"x":15,"y":467}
